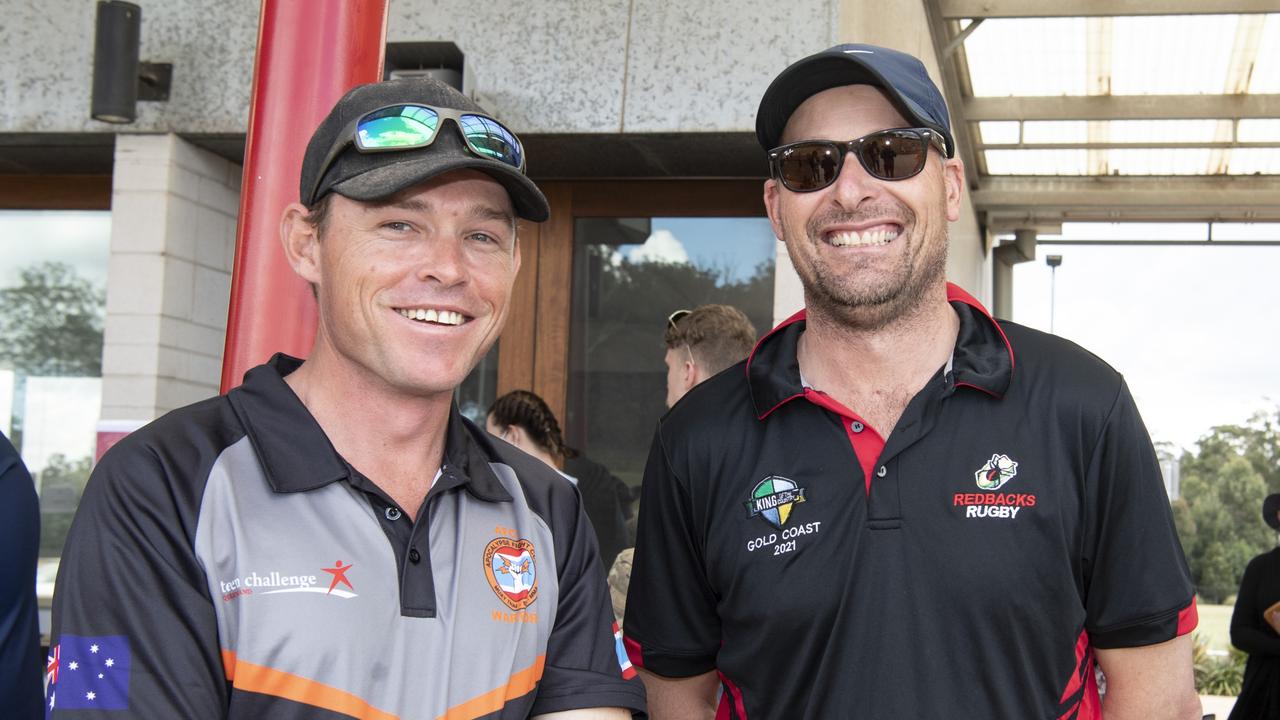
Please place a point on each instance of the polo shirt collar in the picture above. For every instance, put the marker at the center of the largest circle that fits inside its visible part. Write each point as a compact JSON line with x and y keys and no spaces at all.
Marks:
{"x":296,"y":455}
{"x":982,"y":358}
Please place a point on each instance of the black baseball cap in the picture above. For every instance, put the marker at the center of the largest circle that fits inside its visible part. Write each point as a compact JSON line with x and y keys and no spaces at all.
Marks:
{"x":375,"y":176}
{"x":902,"y":77}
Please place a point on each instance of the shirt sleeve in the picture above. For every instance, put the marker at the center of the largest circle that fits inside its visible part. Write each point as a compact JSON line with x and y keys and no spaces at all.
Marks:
{"x":585,"y":665}
{"x":133,"y":625}
{"x":1138,"y":588}
{"x":672,"y":627}
{"x":1249,"y":630}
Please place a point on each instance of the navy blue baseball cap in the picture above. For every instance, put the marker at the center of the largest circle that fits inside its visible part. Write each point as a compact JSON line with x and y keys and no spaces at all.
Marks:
{"x":901,"y":76}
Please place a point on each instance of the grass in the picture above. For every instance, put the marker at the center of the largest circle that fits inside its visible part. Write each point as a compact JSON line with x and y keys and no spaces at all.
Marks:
{"x":1215,"y":626}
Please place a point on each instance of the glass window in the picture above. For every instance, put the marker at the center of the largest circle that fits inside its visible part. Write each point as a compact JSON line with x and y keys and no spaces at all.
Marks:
{"x":53,"y":277}
{"x":629,"y":274}
{"x":476,"y":394}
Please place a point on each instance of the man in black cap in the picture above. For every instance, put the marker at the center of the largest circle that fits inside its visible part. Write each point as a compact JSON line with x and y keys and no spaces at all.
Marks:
{"x":332,"y":538}
{"x":876,"y":516}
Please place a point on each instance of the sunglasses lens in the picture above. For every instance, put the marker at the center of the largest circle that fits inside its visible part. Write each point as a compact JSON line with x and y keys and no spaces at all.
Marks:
{"x":893,"y":154}
{"x":489,"y":139}
{"x":401,"y":126}
{"x":809,"y":166}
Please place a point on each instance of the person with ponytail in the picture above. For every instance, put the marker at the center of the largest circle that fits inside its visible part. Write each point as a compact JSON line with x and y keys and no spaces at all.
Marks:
{"x":523,"y":419}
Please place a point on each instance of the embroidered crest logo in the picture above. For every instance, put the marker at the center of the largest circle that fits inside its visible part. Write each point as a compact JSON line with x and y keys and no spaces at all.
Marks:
{"x":773,"y":499}
{"x":509,"y":567}
{"x":999,"y":470}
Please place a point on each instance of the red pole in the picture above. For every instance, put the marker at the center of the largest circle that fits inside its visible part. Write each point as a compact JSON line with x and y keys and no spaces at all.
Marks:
{"x":310,"y":52}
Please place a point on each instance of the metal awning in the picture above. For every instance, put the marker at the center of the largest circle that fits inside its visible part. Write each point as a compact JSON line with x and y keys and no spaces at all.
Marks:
{"x":1119,"y":110}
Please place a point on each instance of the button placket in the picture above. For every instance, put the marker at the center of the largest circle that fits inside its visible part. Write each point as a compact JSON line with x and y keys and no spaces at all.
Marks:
{"x":392,"y":513}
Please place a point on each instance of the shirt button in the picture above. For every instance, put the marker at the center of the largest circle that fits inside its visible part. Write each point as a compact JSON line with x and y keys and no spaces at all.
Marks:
{"x":414,"y":556}
{"x":882,"y":472}
{"x":392,"y":513}
{"x":856,"y":426}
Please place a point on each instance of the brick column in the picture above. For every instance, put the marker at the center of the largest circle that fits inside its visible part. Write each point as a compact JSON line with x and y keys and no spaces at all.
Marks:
{"x":173,"y":220}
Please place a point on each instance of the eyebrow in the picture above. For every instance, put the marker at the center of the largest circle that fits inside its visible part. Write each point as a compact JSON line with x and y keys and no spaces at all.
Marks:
{"x":479,"y":211}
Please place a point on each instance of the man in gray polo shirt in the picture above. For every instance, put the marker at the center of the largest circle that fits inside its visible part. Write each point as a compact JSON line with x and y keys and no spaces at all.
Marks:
{"x":332,"y":539}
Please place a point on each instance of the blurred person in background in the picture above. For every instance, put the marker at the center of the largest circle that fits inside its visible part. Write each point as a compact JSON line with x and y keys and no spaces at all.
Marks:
{"x":1255,"y":628}
{"x":21,"y":690}
{"x":702,"y":342}
{"x":523,"y":419}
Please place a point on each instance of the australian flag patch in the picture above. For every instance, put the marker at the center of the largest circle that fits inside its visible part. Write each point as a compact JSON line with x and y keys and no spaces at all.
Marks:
{"x":88,"y":673}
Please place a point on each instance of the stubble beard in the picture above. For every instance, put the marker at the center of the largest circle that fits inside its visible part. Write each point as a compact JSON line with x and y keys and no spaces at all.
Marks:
{"x":871,"y":303}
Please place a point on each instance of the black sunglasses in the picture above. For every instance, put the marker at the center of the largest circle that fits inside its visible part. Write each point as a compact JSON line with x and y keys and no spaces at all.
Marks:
{"x":408,"y":126}
{"x":894,"y":154}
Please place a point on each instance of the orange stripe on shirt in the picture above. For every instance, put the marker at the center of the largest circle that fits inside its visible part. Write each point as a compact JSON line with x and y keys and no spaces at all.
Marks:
{"x":521,"y":683}
{"x":278,"y":683}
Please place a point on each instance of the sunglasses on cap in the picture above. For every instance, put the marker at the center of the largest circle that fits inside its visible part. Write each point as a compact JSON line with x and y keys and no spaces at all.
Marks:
{"x":409,"y":126}
{"x":895,"y":154}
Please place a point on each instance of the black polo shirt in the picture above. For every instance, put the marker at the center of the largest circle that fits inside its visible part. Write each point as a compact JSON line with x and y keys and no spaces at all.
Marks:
{"x":965,"y":568}
{"x":226,"y":562}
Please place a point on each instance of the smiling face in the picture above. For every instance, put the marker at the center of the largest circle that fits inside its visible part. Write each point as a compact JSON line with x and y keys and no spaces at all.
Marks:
{"x":867,"y":250}
{"x":413,"y":290}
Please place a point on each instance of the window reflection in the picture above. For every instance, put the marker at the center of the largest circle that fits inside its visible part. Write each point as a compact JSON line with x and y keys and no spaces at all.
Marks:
{"x":629,"y":274}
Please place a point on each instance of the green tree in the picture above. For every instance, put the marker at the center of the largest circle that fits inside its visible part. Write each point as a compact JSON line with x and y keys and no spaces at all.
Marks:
{"x":1218,"y":516}
{"x":51,"y":323}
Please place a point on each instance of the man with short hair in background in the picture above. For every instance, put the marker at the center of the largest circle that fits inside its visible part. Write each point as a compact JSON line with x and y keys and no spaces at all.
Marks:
{"x":903,"y":508}
{"x":702,"y":342}
{"x":332,"y":538}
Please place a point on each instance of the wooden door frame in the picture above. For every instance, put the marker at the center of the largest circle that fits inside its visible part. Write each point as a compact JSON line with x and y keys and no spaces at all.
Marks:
{"x":534,"y":350}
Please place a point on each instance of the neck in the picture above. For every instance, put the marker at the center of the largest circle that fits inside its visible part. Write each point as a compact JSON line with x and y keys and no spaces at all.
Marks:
{"x":545,"y":457}
{"x":394,"y":439}
{"x":854,"y":364}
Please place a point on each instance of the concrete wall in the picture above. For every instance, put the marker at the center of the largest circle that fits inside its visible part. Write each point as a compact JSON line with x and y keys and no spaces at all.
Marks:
{"x":173,"y":225}
{"x":548,"y":67}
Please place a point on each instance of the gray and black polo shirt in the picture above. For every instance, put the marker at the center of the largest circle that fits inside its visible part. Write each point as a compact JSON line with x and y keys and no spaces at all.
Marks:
{"x":965,"y":565}
{"x":226,"y":562}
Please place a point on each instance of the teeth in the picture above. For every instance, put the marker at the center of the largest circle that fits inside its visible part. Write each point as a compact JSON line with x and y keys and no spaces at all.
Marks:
{"x":878,"y":236}
{"x":442,"y":317}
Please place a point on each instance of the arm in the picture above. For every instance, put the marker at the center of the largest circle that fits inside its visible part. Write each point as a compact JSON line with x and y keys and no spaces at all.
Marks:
{"x":1139,"y":601}
{"x":689,"y":698}
{"x":584,"y":676}
{"x":1153,"y":682}
{"x":1249,"y":631}
{"x":130,"y":587}
{"x":672,"y":626}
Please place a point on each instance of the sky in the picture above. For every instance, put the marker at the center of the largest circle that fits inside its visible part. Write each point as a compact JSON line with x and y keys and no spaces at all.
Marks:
{"x":702,"y":241}
{"x":81,"y":238}
{"x":1195,"y":330}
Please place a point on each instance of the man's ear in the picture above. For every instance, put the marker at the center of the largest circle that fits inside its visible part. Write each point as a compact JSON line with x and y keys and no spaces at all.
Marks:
{"x":771,"y":198}
{"x":301,"y":243}
{"x":953,"y":182}
{"x":691,"y":375}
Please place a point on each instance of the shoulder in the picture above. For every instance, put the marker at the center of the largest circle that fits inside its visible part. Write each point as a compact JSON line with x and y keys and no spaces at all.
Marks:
{"x":543,"y":487}
{"x":166,"y":462}
{"x":1042,"y":355}
{"x":1051,"y":372}
{"x":720,"y":404}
